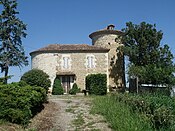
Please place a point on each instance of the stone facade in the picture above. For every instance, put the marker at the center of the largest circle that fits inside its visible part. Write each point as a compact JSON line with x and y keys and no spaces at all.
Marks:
{"x":110,"y":39}
{"x":72,"y":63}
{"x":51,"y":63}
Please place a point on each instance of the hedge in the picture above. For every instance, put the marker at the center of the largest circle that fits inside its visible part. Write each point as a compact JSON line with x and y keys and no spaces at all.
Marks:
{"x":96,"y":84}
{"x":20,"y":103}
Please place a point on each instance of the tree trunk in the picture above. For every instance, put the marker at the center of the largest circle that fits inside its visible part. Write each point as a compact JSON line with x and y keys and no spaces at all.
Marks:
{"x":6,"y":74}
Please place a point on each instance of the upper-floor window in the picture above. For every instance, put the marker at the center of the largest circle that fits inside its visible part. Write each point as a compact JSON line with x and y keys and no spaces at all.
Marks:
{"x":66,"y":62}
{"x":90,"y":61}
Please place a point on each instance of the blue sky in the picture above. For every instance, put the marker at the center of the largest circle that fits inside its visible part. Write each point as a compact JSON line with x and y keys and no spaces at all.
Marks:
{"x":71,"y":21}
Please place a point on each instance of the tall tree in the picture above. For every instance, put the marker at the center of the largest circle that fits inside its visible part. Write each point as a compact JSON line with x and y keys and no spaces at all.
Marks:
{"x":148,"y":60}
{"x":12,"y":30}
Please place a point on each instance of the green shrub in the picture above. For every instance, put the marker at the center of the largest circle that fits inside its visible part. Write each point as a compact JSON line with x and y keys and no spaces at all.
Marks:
{"x":18,"y":103}
{"x":74,"y":89}
{"x":36,"y":77}
{"x":57,"y":87}
{"x":96,"y":84}
{"x":3,"y":79}
{"x":160,"y":110}
{"x":22,"y":83}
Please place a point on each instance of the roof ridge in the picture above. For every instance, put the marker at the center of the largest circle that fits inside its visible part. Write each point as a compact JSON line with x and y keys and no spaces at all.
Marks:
{"x":69,"y":44}
{"x":70,"y":47}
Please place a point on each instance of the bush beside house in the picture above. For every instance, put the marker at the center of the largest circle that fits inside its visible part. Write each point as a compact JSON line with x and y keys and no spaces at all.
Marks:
{"x":36,"y":77}
{"x":57,"y":87}
{"x":96,"y":84}
{"x":74,"y":89}
{"x":19,"y":103}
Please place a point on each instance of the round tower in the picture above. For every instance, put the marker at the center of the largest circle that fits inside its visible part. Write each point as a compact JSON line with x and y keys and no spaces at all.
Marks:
{"x":111,"y":39}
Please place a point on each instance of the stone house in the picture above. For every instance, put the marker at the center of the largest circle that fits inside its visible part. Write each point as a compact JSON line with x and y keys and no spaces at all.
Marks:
{"x":73,"y":62}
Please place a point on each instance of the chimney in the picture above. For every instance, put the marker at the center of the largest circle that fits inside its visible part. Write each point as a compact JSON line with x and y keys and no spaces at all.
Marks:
{"x":110,"y":27}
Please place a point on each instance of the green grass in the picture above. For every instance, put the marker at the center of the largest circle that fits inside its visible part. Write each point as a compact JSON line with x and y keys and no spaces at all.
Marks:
{"x":95,"y":130}
{"x":79,"y":121}
{"x":71,"y":110}
{"x":32,"y":129}
{"x":119,"y":115}
{"x":90,"y":124}
{"x":2,"y":122}
{"x":69,"y":101}
{"x":158,"y":108}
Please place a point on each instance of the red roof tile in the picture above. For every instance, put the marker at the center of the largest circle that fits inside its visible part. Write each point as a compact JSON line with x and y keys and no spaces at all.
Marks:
{"x":106,"y":31}
{"x":70,"y":47}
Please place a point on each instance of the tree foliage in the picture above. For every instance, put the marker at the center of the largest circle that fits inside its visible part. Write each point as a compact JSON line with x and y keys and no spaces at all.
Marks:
{"x":57,"y":87}
{"x":36,"y":77}
{"x":12,"y":30}
{"x":149,"y":61}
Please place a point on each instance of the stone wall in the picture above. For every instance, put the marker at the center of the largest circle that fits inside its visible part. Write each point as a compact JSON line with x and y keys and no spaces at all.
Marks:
{"x":51,"y":63}
{"x":115,"y":57}
{"x":46,"y":62}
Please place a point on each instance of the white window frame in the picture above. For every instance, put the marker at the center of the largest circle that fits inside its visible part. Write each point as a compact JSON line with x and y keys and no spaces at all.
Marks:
{"x":90,"y":61}
{"x":66,"y":62}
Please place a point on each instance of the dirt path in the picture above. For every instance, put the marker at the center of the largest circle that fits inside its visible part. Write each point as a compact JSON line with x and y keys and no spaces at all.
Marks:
{"x":68,"y":113}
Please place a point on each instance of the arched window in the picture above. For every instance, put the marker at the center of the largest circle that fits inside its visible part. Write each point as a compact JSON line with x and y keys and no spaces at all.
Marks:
{"x":90,"y":61}
{"x":66,"y":62}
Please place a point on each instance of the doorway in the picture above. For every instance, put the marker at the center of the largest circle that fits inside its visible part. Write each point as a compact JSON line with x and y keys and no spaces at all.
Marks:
{"x":66,"y":82}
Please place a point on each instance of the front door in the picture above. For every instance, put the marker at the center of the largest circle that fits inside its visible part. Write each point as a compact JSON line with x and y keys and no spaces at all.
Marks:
{"x":66,"y":83}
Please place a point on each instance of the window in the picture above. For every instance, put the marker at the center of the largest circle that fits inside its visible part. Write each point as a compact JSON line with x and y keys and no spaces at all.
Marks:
{"x":90,"y":62}
{"x":66,"y":62}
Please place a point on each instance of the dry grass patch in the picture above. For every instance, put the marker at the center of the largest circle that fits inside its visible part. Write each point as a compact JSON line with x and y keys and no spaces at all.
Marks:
{"x":45,"y":119}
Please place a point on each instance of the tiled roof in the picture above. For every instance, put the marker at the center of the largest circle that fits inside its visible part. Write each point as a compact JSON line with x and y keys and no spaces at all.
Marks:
{"x":106,"y":31}
{"x":70,"y":47}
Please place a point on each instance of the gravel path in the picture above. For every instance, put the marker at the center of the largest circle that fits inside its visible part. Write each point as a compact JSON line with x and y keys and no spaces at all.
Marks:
{"x":68,"y":113}
{"x":74,"y":115}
